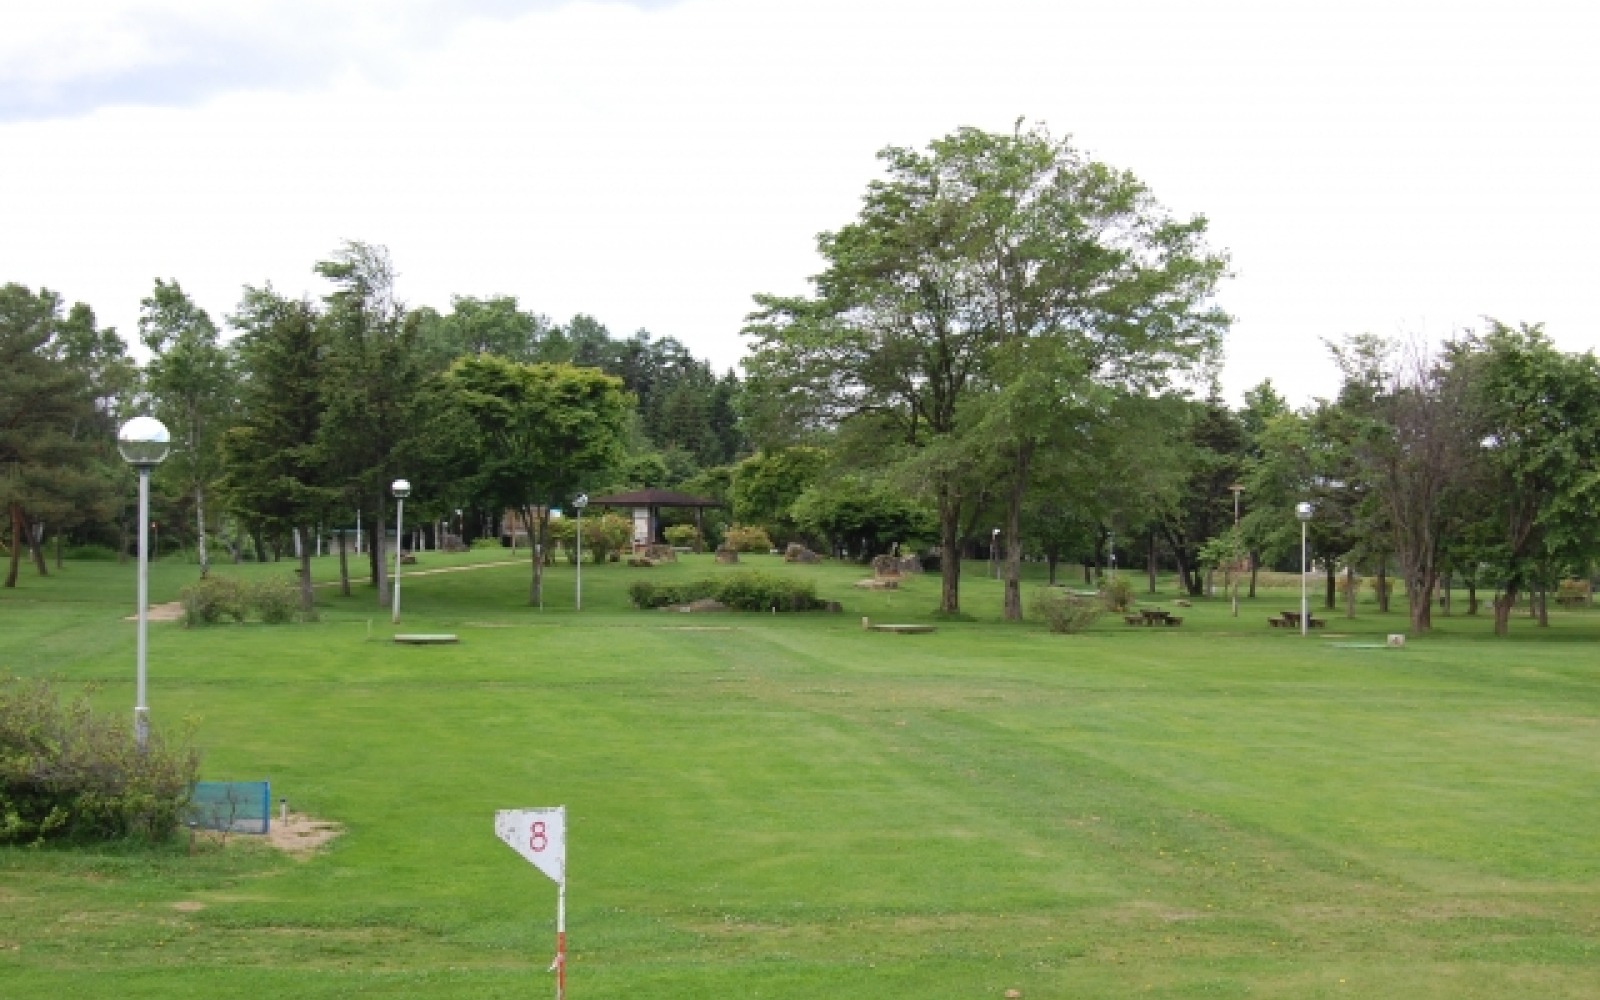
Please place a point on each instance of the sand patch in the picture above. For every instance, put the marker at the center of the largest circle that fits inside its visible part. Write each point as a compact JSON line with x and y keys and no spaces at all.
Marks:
{"x":301,"y":835}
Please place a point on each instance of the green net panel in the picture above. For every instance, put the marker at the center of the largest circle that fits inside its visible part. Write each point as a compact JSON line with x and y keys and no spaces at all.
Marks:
{"x":234,"y":806}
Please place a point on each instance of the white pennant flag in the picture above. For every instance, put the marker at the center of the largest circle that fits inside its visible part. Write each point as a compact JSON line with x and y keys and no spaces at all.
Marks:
{"x":540,"y":835}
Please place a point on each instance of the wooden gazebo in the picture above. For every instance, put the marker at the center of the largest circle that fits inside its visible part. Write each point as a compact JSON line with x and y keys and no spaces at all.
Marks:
{"x":646,"y":506}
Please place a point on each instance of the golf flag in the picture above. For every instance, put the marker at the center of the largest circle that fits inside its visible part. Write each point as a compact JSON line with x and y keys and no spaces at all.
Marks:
{"x":540,"y":835}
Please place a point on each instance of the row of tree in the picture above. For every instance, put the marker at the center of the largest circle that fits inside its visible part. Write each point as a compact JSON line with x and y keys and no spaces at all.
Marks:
{"x":1011,"y":351}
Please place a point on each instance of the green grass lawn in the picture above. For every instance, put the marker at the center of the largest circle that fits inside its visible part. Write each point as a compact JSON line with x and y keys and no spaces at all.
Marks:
{"x":790,"y":807}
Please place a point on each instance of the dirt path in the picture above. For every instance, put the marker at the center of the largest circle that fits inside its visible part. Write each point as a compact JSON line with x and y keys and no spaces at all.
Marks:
{"x":173,"y":612}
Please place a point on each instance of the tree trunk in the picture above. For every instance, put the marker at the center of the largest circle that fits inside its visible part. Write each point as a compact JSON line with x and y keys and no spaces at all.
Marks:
{"x":36,"y":549}
{"x":200,"y":530}
{"x":307,"y":599}
{"x":1383,"y":587}
{"x":17,"y":528}
{"x":1013,"y":536}
{"x":1255,"y":569}
{"x":1544,"y":608}
{"x":1050,"y":560}
{"x":1151,"y":567}
{"x":380,"y":541}
{"x":344,"y":567}
{"x":535,"y":550}
{"x":1419,"y":598}
{"x":58,"y":550}
{"x":1349,"y":591}
{"x":1503,"y":603}
{"x":1088,"y":578}
{"x":950,"y":551}
{"x":1444,"y":594}
{"x":1472,"y":597}
{"x":1330,"y":599}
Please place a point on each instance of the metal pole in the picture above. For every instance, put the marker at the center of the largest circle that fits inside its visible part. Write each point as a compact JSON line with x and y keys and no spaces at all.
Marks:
{"x":561,"y":940}
{"x":141,"y":711}
{"x":399,"y":540}
{"x":579,"y":550}
{"x":1305,"y":619}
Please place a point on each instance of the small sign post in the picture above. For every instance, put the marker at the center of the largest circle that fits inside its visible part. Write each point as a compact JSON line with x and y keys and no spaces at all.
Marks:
{"x":540,"y":836}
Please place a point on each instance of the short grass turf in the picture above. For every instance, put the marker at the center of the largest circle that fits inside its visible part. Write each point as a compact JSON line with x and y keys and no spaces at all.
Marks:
{"x":790,"y":807}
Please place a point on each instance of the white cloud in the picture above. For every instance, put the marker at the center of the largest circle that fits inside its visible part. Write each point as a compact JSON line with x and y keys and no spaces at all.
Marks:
{"x":1371,"y":166}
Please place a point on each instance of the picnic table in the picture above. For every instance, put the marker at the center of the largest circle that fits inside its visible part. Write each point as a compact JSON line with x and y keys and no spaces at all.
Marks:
{"x":1291,"y":619}
{"x":1152,"y":617}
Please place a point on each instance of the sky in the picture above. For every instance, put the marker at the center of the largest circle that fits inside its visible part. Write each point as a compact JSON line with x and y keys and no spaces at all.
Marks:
{"x":1401,"y":167}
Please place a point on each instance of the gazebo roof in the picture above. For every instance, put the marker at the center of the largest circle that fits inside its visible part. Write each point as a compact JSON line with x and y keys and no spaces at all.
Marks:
{"x":654,"y":498}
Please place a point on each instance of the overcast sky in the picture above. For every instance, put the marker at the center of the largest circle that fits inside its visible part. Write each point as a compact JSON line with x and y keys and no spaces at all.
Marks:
{"x":1400,"y":167}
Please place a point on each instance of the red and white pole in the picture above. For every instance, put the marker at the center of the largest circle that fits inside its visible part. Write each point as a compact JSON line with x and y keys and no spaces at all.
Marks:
{"x":561,"y":940}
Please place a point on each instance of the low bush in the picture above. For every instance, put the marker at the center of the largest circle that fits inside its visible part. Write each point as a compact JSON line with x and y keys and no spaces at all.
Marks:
{"x":650,"y":594}
{"x":1066,"y":612}
{"x":68,"y":773}
{"x":90,"y":553}
{"x":1116,"y":593}
{"x":277,"y":600}
{"x":762,"y":592}
{"x":681,"y":535}
{"x":740,"y":591}
{"x":214,"y":598}
{"x":479,"y":544}
{"x":752,"y":538}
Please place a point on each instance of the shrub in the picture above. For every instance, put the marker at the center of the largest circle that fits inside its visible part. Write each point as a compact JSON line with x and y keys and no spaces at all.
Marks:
{"x":479,"y":544}
{"x":67,"y":773}
{"x":747,"y":539}
{"x":1116,"y":593}
{"x":682,"y":535}
{"x":740,"y":591}
{"x":1065,"y":612}
{"x":650,"y":594}
{"x":212,"y":599}
{"x":92,"y":553}
{"x":1572,"y":593}
{"x":761,"y":592}
{"x":277,"y":601}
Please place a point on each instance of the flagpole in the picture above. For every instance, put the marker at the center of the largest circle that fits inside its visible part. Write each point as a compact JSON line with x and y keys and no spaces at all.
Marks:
{"x":561,"y":939}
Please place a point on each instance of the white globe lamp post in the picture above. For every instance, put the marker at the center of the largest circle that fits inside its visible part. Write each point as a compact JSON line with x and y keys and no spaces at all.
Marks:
{"x":1303,"y":510}
{"x":144,"y":443}
{"x":401,"y":489}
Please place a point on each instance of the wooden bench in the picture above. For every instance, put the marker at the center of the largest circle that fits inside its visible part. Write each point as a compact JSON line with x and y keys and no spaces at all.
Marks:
{"x":1133,"y":619}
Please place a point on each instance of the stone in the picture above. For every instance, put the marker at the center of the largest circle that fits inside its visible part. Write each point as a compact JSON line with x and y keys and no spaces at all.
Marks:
{"x":797,"y":553}
{"x":879,"y":583}
{"x":885,"y":567}
{"x":728,"y":556}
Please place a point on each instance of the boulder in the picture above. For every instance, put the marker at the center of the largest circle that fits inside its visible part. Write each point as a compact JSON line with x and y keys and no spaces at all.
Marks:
{"x":879,"y":583}
{"x":797,"y":553}
{"x":885,"y":567}
{"x":727,"y":555}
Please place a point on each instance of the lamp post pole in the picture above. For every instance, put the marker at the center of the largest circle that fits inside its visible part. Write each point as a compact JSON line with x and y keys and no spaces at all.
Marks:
{"x":401,"y":489}
{"x":578,"y":504}
{"x":994,"y":552}
{"x":143,"y":442}
{"x":1302,"y":510}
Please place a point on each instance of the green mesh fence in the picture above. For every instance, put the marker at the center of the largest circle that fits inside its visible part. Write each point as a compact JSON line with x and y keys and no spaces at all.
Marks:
{"x":233,"y":806}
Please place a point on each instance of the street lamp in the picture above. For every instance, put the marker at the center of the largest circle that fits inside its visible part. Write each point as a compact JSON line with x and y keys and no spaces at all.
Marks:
{"x":1302,"y":510}
{"x":143,"y":442}
{"x":581,"y":501}
{"x":401,"y":489}
{"x":994,"y":552}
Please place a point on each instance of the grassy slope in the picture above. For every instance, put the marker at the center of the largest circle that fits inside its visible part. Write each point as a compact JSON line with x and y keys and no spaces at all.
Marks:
{"x":790,"y":807}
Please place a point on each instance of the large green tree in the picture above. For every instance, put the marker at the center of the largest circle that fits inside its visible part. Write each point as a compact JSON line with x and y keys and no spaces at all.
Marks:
{"x":1535,"y":413}
{"x":537,"y":435}
{"x":191,"y":379}
{"x":277,"y":476}
{"x":993,"y":287}
{"x":50,"y":461}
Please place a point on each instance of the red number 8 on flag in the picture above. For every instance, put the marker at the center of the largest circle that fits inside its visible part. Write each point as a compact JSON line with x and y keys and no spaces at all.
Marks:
{"x":538,"y":840}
